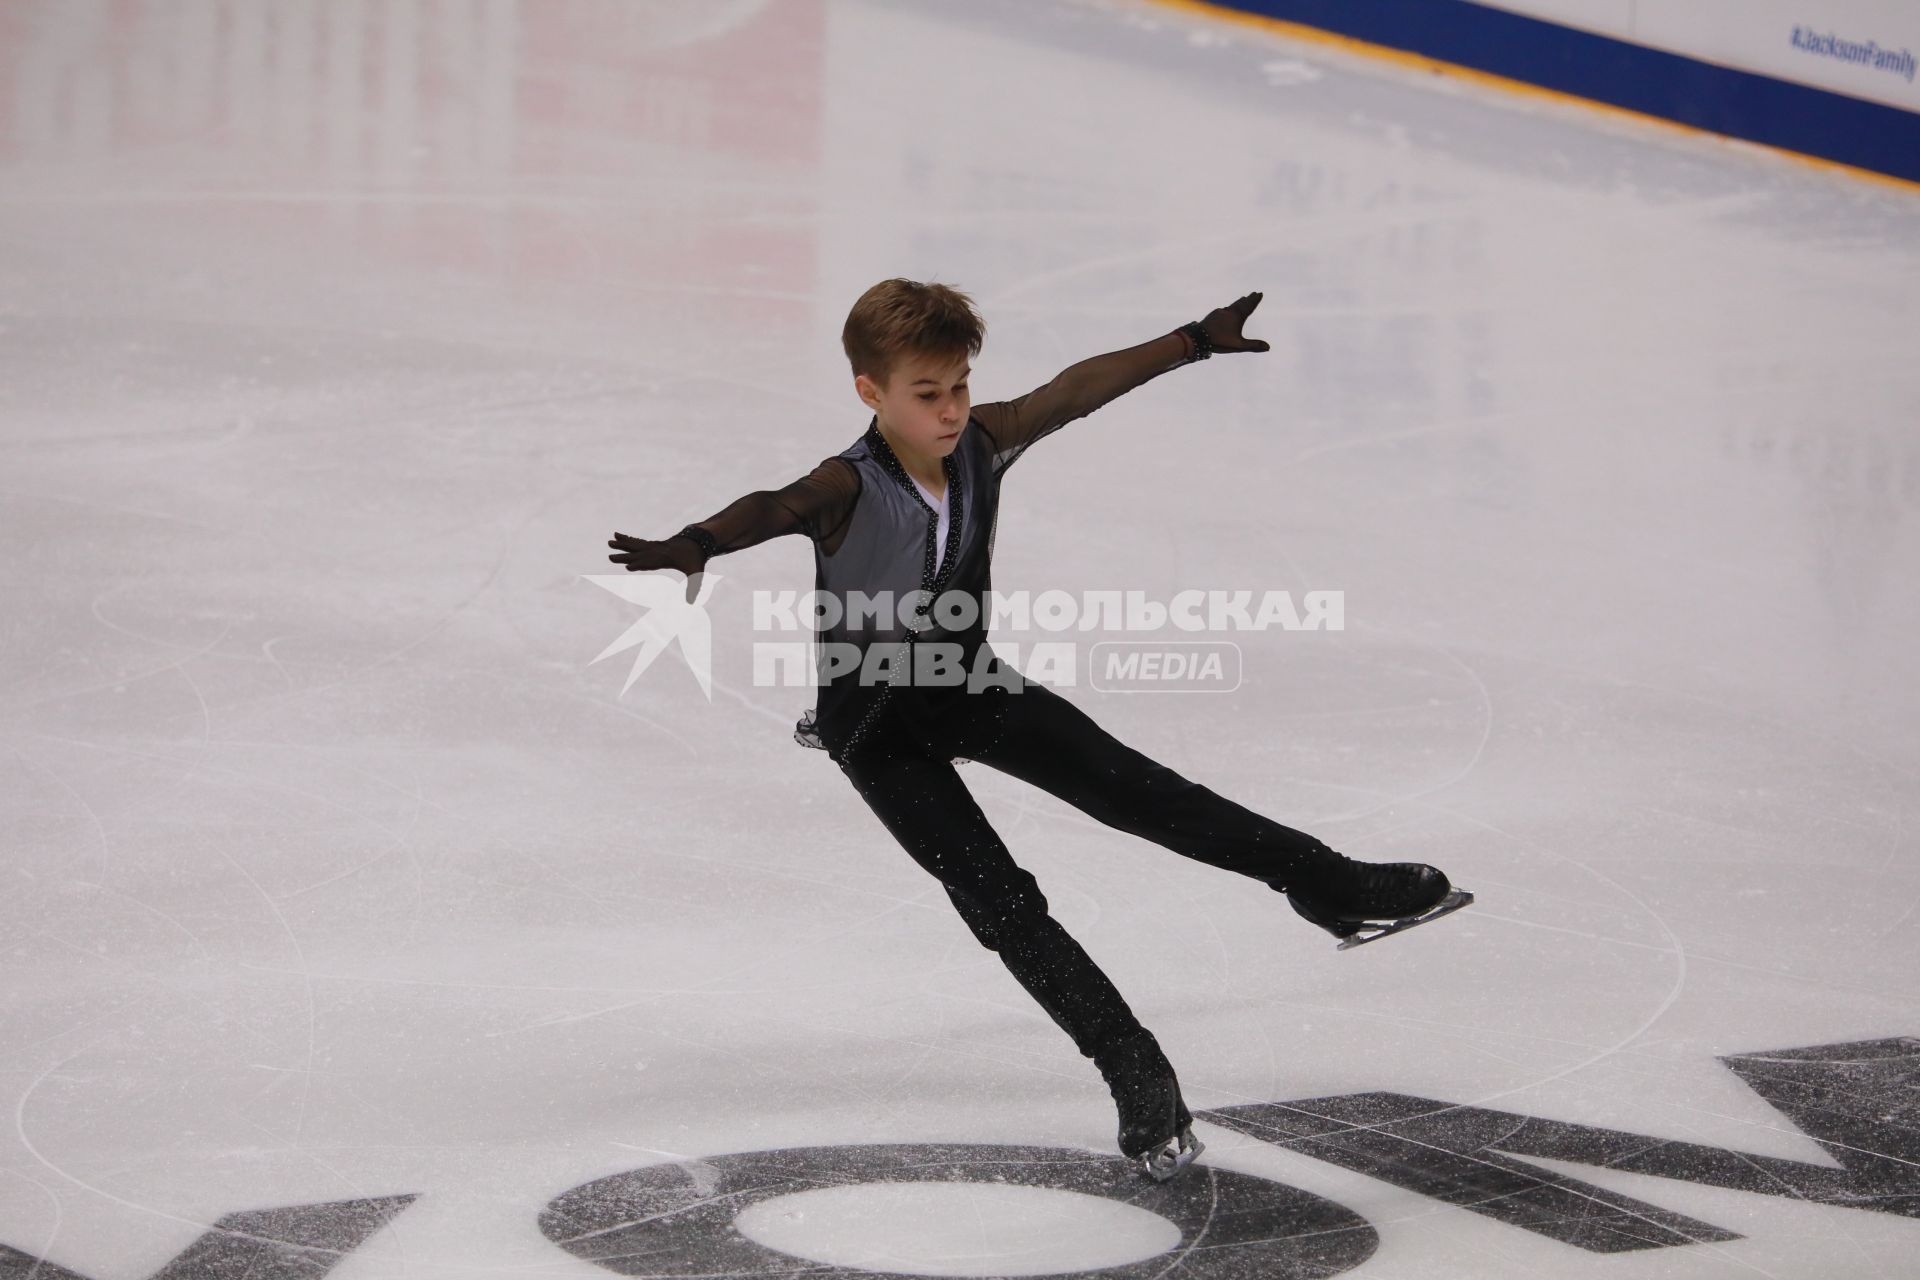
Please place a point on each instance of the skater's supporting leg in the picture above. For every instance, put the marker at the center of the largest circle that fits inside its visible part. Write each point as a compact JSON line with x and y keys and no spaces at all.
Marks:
{"x":923,"y":802}
{"x":929,"y":810}
{"x":1041,"y":738}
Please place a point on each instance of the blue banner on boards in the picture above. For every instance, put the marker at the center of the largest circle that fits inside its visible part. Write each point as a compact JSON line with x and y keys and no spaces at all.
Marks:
{"x":1724,"y":100}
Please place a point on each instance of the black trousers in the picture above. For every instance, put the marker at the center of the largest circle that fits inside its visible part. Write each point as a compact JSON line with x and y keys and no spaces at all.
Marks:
{"x":904,"y":771}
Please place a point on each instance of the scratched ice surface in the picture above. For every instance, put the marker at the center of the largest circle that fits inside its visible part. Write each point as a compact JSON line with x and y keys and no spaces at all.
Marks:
{"x":335,"y":340}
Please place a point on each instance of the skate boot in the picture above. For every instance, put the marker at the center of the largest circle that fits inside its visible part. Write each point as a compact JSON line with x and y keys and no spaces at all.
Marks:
{"x":1155,"y":1127}
{"x":1361,"y":902}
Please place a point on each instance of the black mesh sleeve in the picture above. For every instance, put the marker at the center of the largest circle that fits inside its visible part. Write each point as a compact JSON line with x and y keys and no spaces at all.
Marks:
{"x":817,"y":504}
{"x":1014,"y":426}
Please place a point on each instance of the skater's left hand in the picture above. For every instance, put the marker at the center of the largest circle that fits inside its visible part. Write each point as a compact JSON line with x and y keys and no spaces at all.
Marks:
{"x":1223,"y":326}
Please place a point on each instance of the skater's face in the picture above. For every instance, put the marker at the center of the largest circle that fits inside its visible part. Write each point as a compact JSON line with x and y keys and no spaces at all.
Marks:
{"x":924,"y":404}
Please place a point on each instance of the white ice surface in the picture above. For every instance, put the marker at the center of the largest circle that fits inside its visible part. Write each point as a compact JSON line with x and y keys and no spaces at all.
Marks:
{"x":336,"y":339}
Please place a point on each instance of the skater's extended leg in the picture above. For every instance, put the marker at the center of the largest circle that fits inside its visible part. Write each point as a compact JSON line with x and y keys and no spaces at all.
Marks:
{"x":1043,"y":739}
{"x":928,"y":809}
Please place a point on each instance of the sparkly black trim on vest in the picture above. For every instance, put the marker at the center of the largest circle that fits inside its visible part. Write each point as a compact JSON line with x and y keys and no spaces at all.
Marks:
{"x":956,"y":507}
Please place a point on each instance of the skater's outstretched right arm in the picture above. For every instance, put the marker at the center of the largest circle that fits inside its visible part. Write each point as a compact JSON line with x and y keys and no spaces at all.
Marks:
{"x":817,"y":504}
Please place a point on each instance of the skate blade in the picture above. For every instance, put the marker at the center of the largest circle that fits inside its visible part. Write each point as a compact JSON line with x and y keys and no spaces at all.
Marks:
{"x":1455,"y":899}
{"x":1163,"y":1161}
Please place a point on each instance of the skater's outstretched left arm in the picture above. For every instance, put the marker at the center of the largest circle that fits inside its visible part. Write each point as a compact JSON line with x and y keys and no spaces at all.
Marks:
{"x":1079,"y":389}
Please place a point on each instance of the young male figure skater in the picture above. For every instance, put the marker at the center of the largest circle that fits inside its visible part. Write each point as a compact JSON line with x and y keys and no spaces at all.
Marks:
{"x":910,"y":508}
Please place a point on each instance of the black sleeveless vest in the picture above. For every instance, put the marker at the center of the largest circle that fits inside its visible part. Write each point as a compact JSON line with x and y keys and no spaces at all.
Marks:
{"x":889,"y":546}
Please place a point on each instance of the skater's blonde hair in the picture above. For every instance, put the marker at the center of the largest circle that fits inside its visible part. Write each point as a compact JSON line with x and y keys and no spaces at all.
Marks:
{"x":898,"y":319}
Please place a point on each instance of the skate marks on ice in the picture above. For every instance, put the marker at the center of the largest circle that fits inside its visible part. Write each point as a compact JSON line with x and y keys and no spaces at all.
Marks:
{"x":297,"y":1242}
{"x":1860,"y":1102}
{"x":666,"y":1221}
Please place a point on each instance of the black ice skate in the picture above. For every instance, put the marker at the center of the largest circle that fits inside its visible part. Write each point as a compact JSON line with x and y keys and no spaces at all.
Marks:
{"x":1155,"y":1126}
{"x":1362,"y":902}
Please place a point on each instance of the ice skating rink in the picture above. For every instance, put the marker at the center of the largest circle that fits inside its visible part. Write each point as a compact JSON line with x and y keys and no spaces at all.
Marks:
{"x":353,"y":922}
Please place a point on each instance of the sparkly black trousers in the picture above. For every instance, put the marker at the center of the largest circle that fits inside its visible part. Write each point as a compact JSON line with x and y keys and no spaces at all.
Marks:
{"x":904,"y":770}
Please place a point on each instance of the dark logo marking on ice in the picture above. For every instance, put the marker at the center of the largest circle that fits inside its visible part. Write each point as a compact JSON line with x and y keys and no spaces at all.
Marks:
{"x":674,"y":1220}
{"x":1861,"y":1102}
{"x":298,"y":1242}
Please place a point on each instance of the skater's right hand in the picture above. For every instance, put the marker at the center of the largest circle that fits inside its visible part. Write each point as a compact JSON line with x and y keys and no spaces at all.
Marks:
{"x":671,"y":553}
